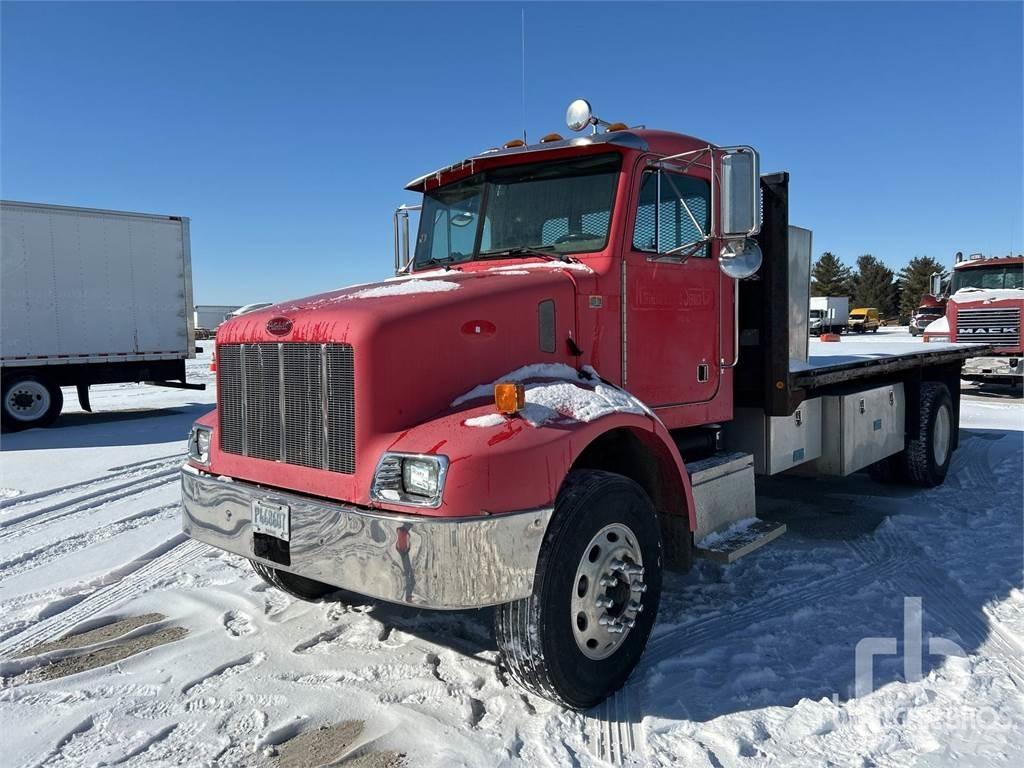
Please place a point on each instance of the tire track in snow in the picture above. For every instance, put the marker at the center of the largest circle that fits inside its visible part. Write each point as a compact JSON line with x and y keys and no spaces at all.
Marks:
{"x":165,"y":561}
{"x":46,"y":554}
{"x":615,"y":729}
{"x":12,"y":526}
{"x":113,"y":474}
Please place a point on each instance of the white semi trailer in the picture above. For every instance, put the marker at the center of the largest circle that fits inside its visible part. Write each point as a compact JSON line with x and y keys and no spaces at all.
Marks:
{"x":89,"y":297}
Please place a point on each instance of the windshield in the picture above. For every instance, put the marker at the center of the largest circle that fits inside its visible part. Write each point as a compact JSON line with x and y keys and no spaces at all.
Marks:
{"x":558,"y":207}
{"x":858,"y":315}
{"x":989,"y":278}
{"x":934,"y":311}
{"x":817,"y":314}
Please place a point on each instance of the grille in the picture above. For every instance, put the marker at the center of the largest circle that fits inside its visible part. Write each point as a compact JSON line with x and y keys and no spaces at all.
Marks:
{"x":997,"y":326}
{"x":288,"y":402}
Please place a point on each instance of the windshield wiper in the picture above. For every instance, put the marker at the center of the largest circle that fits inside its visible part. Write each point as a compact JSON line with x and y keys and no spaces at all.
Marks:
{"x":522,"y":250}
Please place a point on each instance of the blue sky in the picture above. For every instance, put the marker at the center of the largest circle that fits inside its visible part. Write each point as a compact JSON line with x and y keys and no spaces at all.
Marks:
{"x":287,"y":131}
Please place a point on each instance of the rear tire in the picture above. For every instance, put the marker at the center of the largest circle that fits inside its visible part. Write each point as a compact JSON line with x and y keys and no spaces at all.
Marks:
{"x":299,"y":586}
{"x":29,"y":401}
{"x":602,"y":554}
{"x":927,"y":457}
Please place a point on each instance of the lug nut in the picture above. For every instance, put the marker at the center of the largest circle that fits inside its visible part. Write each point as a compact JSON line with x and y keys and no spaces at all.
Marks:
{"x":617,"y":565}
{"x":605,"y":620}
{"x":638,"y":587}
{"x":608,"y":581}
{"x":616,"y":629}
{"x":634,"y":570}
{"x":603,"y":601}
{"x":634,"y":606}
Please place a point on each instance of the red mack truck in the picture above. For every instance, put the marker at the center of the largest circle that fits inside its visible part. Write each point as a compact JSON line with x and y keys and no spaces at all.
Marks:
{"x":588,"y":351}
{"x":984,"y":305}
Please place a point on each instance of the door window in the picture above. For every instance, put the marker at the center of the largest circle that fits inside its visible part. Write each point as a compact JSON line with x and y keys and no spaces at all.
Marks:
{"x":684,"y":200}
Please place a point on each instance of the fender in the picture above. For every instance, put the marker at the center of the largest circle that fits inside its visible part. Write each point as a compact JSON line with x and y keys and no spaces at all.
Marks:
{"x":512,"y":465}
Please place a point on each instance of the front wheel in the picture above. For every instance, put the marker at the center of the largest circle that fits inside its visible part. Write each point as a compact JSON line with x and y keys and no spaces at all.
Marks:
{"x":299,"y":586}
{"x":597,"y":586}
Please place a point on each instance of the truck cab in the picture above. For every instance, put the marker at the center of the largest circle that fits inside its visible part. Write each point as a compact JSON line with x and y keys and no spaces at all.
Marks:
{"x":985,"y":305}
{"x":530,"y":413}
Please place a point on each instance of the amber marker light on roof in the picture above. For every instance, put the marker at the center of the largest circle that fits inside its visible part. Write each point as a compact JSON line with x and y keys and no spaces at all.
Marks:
{"x":509,"y":397}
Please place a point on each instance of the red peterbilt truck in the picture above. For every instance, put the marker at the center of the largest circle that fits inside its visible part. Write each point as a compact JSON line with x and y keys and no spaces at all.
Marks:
{"x":589,"y":351}
{"x":984,"y":305}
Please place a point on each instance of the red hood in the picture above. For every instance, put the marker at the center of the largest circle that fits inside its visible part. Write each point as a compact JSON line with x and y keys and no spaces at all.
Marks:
{"x":439,"y":333}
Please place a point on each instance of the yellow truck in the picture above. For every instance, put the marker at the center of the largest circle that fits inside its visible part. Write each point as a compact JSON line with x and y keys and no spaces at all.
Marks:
{"x":863,"y":320}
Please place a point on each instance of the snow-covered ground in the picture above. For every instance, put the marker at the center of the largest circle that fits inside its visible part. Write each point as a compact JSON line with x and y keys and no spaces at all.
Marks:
{"x":750,"y":664}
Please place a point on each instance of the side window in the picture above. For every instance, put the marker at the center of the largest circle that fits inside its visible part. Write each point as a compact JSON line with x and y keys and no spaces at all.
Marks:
{"x":675,"y":225}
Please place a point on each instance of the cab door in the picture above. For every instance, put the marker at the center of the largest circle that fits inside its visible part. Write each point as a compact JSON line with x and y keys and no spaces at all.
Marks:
{"x":673,"y":301}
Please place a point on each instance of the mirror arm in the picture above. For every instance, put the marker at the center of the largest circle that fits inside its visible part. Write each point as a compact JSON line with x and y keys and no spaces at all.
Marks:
{"x":735,"y":326}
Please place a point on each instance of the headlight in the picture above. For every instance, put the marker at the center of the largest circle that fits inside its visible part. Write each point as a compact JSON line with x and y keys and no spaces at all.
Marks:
{"x":199,"y":444}
{"x":940,"y":337}
{"x":414,"y":479}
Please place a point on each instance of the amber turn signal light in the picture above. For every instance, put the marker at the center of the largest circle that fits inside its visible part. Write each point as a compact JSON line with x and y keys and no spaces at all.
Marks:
{"x":509,"y":397}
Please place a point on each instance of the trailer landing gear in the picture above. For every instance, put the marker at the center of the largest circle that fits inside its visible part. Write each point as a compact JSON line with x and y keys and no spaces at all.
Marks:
{"x":576,"y":639}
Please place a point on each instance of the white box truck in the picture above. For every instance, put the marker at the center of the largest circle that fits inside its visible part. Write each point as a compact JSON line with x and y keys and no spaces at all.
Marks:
{"x":89,"y":297}
{"x":829,"y":314}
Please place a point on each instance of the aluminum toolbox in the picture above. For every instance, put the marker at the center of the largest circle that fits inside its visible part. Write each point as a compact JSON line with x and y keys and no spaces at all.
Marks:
{"x":861,"y":428}
{"x":778,"y":443}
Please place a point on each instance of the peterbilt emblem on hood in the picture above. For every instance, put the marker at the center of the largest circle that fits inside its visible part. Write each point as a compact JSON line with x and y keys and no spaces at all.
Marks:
{"x":279,"y":326}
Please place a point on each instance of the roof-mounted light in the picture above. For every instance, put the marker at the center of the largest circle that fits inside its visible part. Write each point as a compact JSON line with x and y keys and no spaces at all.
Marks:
{"x":511,"y":143}
{"x":551,"y":137}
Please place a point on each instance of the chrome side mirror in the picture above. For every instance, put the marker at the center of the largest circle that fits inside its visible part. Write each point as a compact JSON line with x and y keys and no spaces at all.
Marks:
{"x":741,"y":192}
{"x":579,"y":115}
{"x":403,"y":257}
{"x":936,"y":284}
{"x":739,"y":259}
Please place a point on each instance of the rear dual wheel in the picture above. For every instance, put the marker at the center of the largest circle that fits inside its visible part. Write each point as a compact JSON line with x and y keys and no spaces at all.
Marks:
{"x":925,"y":459}
{"x":29,"y":401}
{"x":577,"y":638}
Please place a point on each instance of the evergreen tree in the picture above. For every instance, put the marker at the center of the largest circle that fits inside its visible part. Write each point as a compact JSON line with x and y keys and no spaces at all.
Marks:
{"x":874,"y":286}
{"x":830,"y":277}
{"x":915,"y":281}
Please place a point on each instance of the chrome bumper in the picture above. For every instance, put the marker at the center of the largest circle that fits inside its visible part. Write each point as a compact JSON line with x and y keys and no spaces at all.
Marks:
{"x":431,"y":562}
{"x":992,"y":367}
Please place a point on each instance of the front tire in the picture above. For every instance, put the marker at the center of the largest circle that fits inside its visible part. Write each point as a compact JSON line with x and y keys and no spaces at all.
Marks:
{"x":577,"y":638}
{"x":299,"y":586}
{"x":29,"y":401}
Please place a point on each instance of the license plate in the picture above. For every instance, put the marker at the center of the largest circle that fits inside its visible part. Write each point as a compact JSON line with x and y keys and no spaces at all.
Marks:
{"x":271,"y":519}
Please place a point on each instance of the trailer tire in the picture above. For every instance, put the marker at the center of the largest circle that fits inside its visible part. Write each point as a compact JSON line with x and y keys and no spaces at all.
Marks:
{"x":927,"y":457}
{"x":29,"y":400}
{"x":552,"y":643}
{"x":300,"y":587}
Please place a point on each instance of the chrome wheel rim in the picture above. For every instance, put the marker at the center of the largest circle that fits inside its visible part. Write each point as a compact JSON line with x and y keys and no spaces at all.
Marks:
{"x":940,"y":442}
{"x":607,"y":593}
{"x":27,"y":401}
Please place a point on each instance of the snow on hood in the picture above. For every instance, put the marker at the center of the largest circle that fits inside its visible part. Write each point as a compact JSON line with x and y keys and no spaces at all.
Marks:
{"x":575,"y":266}
{"x":404,"y":288}
{"x":938,"y":326}
{"x":965,"y":295}
{"x":556,"y":392}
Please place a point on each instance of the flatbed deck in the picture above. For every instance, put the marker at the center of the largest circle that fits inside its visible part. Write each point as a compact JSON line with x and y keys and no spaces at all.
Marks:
{"x":839,"y":362}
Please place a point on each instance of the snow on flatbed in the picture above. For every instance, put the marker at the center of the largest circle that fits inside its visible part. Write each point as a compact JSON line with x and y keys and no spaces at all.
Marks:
{"x":749,"y":664}
{"x":855,"y":348}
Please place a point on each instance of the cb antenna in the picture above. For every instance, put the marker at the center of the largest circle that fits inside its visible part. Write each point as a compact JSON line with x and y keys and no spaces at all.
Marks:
{"x":522,"y":19}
